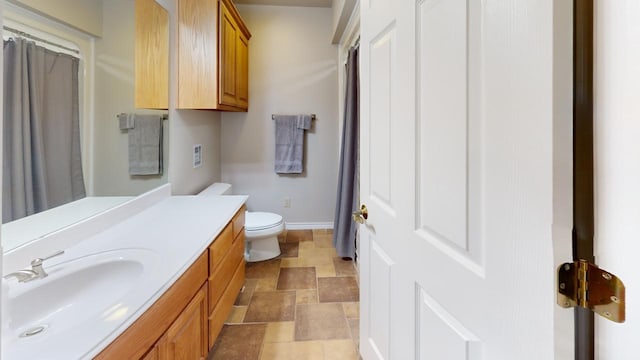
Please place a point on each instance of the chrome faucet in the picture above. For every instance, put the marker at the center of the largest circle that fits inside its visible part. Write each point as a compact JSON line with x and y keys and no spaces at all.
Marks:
{"x":36,"y":271}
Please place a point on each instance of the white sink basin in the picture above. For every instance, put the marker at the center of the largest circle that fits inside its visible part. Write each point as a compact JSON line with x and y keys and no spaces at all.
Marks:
{"x":79,"y":296}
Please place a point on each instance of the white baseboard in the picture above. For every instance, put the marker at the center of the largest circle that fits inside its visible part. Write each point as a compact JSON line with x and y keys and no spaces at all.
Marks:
{"x":308,"y":226}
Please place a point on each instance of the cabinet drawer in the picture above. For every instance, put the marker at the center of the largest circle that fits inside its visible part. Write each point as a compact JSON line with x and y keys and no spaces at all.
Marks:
{"x":238,"y":222}
{"x":223,"y":308}
{"x":220,"y":247}
{"x":221,"y":278}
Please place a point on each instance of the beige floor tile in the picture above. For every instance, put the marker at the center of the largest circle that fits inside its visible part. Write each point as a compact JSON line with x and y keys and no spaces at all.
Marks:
{"x":271,"y":306}
{"x":321,"y":322}
{"x":354,"y":326}
{"x":313,"y":252}
{"x":322,"y":232}
{"x":326,"y":331}
{"x":237,"y":315}
{"x":338,"y":289}
{"x":351,"y":310}
{"x":344,"y":267}
{"x":239,"y":342}
{"x":288,"y":250}
{"x":340,"y":349}
{"x":306,"y":296}
{"x":263,"y":269}
{"x":306,"y":245}
{"x":315,"y":260}
{"x":266,"y":284}
{"x":247,"y":291}
{"x":297,"y":278}
{"x":299,"y":235}
{"x":290,"y":262}
{"x":323,"y":241}
{"x":302,"y":350}
{"x":279,"y":332}
{"x":325,"y":270}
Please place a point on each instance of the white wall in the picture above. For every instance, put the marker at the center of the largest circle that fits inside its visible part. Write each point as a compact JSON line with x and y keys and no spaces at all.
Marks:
{"x":292,"y":69}
{"x":190,"y":127}
{"x":84,"y":15}
{"x":342,"y":11}
{"x":114,"y":94}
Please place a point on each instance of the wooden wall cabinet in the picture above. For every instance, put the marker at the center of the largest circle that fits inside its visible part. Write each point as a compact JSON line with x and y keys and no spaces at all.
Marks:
{"x":233,"y":58}
{"x":213,"y":56}
{"x":151,"y":55}
{"x":185,"y":322}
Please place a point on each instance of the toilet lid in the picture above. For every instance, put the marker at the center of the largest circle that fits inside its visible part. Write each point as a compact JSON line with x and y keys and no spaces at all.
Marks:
{"x":261,"y":220}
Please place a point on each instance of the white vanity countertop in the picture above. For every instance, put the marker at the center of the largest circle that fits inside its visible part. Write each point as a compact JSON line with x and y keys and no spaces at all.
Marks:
{"x":177,"y":229}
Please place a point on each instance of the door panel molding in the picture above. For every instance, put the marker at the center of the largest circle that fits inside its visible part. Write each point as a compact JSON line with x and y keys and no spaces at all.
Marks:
{"x":383,"y":69}
{"x":449,"y":146}
{"x":440,"y":334}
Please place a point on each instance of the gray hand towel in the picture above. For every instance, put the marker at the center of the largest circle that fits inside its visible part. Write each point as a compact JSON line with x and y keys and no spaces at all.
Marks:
{"x":126,"y":121}
{"x":290,"y":142}
{"x":304,"y":122}
{"x":145,"y":145}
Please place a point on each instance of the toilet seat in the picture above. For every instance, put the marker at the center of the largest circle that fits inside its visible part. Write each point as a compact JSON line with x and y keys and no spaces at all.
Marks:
{"x":257,"y":221}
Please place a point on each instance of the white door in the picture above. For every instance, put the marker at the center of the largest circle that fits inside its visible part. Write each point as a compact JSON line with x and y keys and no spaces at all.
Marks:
{"x":466,"y":173}
{"x":617,"y":166}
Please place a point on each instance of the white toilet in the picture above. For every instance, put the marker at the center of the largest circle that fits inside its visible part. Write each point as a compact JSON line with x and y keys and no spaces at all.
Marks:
{"x":261,"y":229}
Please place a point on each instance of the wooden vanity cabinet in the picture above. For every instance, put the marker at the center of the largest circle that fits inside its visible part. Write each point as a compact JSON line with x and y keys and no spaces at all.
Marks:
{"x":213,"y":56}
{"x":151,"y":55}
{"x":226,"y":273}
{"x":185,"y":321}
{"x":154,"y":354}
{"x":187,"y":338}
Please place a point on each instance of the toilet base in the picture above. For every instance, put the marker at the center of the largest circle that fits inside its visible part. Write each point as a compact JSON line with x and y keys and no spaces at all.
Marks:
{"x":260,"y":249}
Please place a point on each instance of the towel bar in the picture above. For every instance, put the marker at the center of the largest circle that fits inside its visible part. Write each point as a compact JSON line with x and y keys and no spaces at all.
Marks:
{"x":313,"y":117}
{"x":164,"y":116}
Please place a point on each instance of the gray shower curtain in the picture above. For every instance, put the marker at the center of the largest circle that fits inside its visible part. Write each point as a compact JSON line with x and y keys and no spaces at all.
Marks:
{"x":42,"y":166}
{"x":344,"y":229}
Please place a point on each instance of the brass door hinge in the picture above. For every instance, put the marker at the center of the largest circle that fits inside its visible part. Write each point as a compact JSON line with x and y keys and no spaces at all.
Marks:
{"x":583,"y":284}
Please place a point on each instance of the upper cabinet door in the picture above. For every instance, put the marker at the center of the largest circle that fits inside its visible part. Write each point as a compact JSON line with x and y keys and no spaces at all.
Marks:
{"x":228,"y":57}
{"x":151,"y":56}
{"x":242,"y":71}
{"x":213,"y":59}
{"x":197,"y":54}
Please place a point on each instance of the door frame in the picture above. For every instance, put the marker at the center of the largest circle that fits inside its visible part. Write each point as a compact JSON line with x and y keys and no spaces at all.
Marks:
{"x":583,"y":162}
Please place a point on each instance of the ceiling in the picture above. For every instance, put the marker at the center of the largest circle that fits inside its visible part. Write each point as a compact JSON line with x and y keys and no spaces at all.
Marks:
{"x":306,"y":3}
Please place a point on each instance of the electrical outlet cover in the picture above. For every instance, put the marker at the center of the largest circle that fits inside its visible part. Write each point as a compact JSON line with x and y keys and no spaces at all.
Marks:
{"x":197,"y":155}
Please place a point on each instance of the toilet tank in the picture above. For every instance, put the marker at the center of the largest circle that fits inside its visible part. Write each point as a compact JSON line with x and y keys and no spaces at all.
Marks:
{"x":216,"y":189}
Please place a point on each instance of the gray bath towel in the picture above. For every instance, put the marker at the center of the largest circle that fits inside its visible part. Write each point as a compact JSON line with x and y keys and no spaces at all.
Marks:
{"x":290,"y":142}
{"x":145,"y":145}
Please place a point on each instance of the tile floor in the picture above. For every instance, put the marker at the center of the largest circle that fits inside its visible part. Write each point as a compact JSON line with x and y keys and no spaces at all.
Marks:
{"x":302,"y":305}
